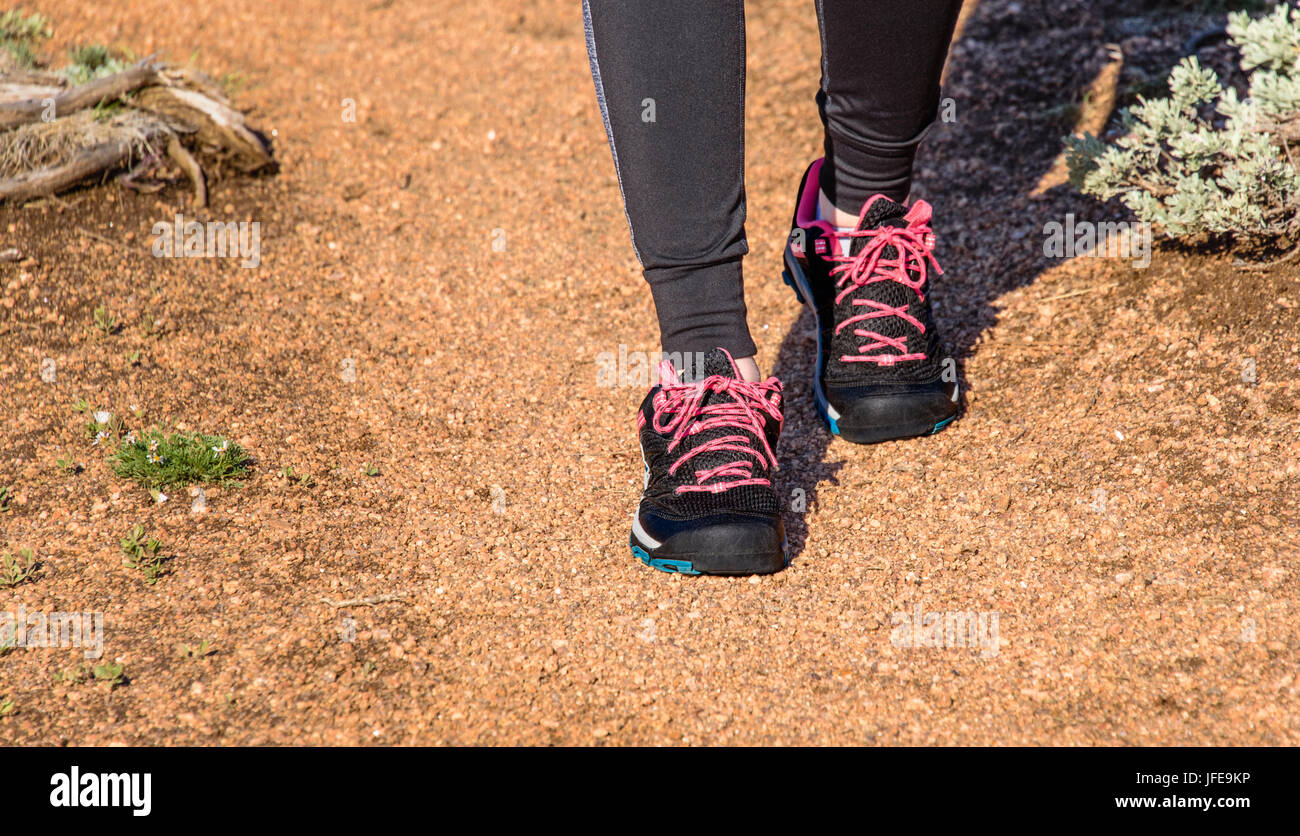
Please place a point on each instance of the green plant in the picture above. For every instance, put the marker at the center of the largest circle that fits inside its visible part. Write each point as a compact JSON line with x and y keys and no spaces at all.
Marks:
{"x":74,"y":675}
{"x":16,"y":570}
{"x":301,"y":478}
{"x":7,"y":707}
{"x":370,"y":469}
{"x":143,"y":554}
{"x":67,"y":465}
{"x":231,"y":84}
{"x":106,"y":110}
{"x":104,"y":427}
{"x":105,"y":322}
{"x":156,"y":460}
{"x":112,"y":673}
{"x":19,"y":33}
{"x":132,"y":357}
{"x":14,"y":25}
{"x":4,"y":499}
{"x":91,"y":62}
{"x":1204,"y":160}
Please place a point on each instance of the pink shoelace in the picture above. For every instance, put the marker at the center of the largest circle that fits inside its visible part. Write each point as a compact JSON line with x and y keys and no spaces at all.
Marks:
{"x":914,"y":245}
{"x":679,"y":409}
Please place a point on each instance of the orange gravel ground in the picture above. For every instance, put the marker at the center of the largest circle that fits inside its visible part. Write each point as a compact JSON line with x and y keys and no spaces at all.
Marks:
{"x":1116,"y":491}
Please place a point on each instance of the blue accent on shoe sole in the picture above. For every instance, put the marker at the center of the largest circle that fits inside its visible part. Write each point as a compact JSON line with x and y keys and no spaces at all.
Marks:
{"x":831,"y":423}
{"x":945,"y":422}
{"x":664,"y":564}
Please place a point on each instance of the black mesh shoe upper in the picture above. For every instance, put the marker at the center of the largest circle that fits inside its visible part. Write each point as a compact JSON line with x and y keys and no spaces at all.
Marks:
{"x":721,"y":433}
{"x":845,"y":290}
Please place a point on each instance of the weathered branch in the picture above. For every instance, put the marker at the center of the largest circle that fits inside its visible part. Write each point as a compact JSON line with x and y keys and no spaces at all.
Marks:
{"x":215,"y":123}
{"x":179,"y":109}
{"x":190,"y":166}
{"x":48,"y":181}
{"x":13,"y":114}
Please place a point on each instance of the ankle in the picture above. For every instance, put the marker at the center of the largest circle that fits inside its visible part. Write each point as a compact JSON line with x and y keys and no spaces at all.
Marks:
{"x":748,"y":369}
{"x":830,"y":212}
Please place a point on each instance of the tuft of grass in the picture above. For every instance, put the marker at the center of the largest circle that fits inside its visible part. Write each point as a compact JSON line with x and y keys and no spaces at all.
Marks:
{"x":105,"y":322}
{"x":143,"y":553}
{"x":90,"y":62}
{"x":17,"y":570}
{"x":16,"y":26}
{"x":19,"y":33}
{"x":157,"y":461}
{"x":4,"y":499}
{"x":231,"y":84}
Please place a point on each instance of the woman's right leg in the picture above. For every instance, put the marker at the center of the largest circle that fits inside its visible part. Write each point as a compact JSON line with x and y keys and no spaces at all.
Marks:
{"x":670,"y":79}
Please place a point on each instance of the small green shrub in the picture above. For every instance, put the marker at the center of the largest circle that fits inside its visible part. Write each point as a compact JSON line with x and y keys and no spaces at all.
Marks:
{"x":1204,"y":160}
{"x":91,"y":62}
{"x":156,"y":460}
{"x":19,"y":33}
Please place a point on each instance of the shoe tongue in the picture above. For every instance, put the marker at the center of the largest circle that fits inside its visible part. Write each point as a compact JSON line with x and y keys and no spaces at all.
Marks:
{"x":879,"y":211}
{"x":716,"y":362}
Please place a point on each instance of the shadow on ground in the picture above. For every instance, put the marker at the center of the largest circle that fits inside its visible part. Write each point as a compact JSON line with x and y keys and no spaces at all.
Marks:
{"x":1015,"y":78}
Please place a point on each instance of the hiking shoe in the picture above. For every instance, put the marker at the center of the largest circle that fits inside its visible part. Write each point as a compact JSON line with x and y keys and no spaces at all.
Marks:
{"x":881,"y":373}
{"x":709,"y":445}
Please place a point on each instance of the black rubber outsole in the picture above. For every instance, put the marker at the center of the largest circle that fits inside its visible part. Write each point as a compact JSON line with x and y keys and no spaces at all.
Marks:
{"x":717,"y":550}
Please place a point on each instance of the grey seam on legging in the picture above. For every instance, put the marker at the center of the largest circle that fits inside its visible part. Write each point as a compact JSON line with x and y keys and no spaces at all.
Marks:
{"x":604,"y":115}
{"x":821,"y":33}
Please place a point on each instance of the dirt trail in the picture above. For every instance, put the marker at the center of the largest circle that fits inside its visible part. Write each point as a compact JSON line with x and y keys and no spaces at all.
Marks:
{"x":1118,"y":491}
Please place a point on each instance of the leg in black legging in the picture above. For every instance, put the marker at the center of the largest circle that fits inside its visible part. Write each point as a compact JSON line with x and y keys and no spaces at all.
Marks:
{"x":881,"y":63}
{"x":670,"y":78}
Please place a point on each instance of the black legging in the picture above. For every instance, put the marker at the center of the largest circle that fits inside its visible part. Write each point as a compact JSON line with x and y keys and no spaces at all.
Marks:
{"x":670,"y":79}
